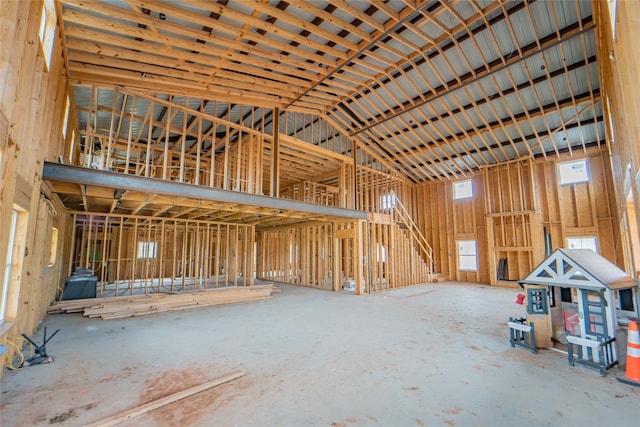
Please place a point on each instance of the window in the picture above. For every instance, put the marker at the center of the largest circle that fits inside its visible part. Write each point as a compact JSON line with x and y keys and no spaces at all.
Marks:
{"x":566,"y":295}
{"x":72,"y":146}
{"x":388,"y":201}
{"x":612,"y":15}
{"x":463,"y":190}
{"x":47,"y":30}
{"x":7,"y":270}
{"x":467,"y":255}
{"x":65,"y":120}
{"x":147,"y":249}
{"x":381,"y":253}
{"x":626,"y":299}
{"x":582,"y":243}
{"x":53,"y":249}
{"x":573,"y":172}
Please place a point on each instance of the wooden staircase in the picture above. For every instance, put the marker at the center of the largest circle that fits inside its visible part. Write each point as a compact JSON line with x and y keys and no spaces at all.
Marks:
{"x":405,"y":223}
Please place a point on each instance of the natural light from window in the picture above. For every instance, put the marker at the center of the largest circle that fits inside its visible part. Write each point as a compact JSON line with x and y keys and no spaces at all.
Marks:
{"x":53,"y":249}
{"x":463,"y":189}
{"x":7,"y":270}
{"x":147,"y":249}
{"x":467,"y":255}
{"x":573,"y":172}
{"x":65,"y":121}
{"x":47,"y":30}
{"x":388,"y":201}
{"x":582,"y":243}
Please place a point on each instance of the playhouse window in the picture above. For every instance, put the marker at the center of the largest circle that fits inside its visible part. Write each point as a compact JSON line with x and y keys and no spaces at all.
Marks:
{"x":625,"y":296}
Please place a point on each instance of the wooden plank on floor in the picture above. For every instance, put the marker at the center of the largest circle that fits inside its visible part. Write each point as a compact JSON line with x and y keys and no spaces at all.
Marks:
{"x":147,"y":407}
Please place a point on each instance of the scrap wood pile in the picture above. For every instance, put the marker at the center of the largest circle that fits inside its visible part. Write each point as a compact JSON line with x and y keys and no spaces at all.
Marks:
{"x":139,"y":305}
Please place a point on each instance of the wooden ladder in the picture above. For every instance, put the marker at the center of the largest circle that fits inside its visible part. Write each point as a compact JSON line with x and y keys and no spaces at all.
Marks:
{"x":402,"y":218}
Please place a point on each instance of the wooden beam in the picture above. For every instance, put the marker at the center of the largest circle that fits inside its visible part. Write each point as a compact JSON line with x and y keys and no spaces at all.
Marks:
{"x":155,"y":404}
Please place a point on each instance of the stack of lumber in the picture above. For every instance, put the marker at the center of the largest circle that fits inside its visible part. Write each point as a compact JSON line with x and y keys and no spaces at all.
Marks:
{"x":139,"y":305}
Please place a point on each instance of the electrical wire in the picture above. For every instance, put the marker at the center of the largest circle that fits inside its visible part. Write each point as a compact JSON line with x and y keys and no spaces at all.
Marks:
{"x":61,"y":294}
{"x":13,"y":368}
{"x":50,"y":208}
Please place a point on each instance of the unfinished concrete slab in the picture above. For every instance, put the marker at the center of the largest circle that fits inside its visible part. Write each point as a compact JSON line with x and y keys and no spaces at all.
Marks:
{"x":420,"y":356}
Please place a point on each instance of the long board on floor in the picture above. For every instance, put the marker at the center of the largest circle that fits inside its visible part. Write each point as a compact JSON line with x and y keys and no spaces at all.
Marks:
{"x":138,"y":305}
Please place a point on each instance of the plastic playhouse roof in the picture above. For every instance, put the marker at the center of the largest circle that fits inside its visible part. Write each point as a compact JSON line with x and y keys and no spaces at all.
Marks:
{"x":579,"y":268}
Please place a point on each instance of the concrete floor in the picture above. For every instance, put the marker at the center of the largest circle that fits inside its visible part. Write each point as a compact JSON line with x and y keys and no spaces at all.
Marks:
{"x":433,"y":355}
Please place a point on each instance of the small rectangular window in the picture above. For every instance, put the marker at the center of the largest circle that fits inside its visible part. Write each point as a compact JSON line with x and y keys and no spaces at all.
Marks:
{"x":388,"y":201}
{"x":573,"y":172}
{"x":47,"y":31}
{"x":582,"y":243}
{"x":72,"y":146}
{"x":53,"y":249}
{"x":43,"y":24}
{"x":147,"y":249}
{"x":6,"y":281}
{"x":467,"y":255}
{"x":612,"y":15}
{"x":463,"y":189}
{"x":65,"y":120}
{"x":381,"y":253}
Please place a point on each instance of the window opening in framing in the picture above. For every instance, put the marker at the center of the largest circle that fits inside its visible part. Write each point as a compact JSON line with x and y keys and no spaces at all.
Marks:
{"x":582,"y":243}
{"x":463,"y":189}
{"x":467,"y":255}
{"x":147,"y":249}
{"x":53,"y":249}
{"x":573,"y":172}
{"x":7,"y":270}
{"x":388,"y":201}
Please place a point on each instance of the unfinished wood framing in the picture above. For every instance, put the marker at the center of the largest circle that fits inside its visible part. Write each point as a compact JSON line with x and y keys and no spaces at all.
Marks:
{"x":514,"y":233}
{"x":362,"y":256}
{"x":134,"y":254}
{"x":32,"y":99}
{"x":298,"y":255}
{"x":374,"y":110}
{"x":616,"y":44}
{"x":512,"y":207}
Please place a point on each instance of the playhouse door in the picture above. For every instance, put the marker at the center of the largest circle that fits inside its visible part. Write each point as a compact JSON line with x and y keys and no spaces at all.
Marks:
{"x":538,"y":313}
{"x":595,"y":315}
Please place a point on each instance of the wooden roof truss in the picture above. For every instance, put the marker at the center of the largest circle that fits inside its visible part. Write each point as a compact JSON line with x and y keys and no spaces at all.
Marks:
{"x":431,"y":89}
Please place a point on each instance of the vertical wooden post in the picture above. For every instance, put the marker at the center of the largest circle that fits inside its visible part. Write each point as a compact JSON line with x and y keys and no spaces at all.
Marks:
{"x":217,"y":256}
{"x":119,"y":256}
{"x":113,"y":117}
{"x":73,"y":243}
{"x":358,"y":266}
{"x":335,"y":257}
{"x":183,"y":140}
{"x":129,"y":141}
{"x":149,"y":154}
{"x":227,"y":154}
{"x":275,"y":155}
{"x":199,"y":147}
{"x":165,"y":163}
